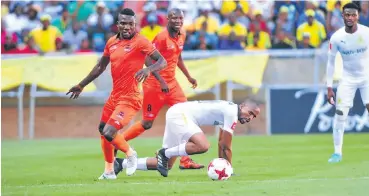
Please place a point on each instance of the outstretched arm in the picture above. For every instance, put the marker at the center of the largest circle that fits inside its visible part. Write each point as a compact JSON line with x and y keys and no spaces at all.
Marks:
{"x":96,"y":71}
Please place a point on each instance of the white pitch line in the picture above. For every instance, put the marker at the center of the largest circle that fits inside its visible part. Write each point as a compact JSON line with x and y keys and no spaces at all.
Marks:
{"x":197,"y":182}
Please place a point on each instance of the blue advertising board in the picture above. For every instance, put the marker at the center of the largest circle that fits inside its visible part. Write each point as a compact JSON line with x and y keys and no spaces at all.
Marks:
{"x":306,"y":110}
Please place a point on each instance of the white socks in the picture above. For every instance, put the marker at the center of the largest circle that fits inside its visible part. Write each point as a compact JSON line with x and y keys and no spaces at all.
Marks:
{"x":141,"y":164}
{"x":177,"y":151}
{"x":338,"y":131}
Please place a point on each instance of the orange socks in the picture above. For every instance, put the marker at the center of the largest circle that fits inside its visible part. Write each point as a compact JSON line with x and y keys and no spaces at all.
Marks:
{"x":120,"y":143}
{"x":134,"y":131}
{"x":108,"y":150}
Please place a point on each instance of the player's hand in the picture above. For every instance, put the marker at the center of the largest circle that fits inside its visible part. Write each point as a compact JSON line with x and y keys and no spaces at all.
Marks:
{"x":142,"y":75}
{"x":330,"y":96}
{"x":75,"y":90}
{"x":164,"y":87}
{"x":193,"y":82}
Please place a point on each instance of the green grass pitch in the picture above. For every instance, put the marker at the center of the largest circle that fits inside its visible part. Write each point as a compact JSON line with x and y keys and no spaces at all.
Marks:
{"x":275,"y":165}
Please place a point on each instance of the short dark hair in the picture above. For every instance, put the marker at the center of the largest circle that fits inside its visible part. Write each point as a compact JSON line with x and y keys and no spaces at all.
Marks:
{"x":351,"y":6}
{"x":127,"y":11}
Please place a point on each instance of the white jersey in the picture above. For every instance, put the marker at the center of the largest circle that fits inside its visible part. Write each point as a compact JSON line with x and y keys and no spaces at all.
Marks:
{"x":355,"y":54}
{"x":215,"y":112}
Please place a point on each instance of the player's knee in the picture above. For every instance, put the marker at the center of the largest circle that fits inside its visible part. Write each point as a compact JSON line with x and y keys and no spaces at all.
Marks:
{"x":109,"y":133}
{"x":147,"y":124}
{"x":101,"y":127}
{"x":203,"y":147}
{"x":341,"y":113}
{"x":367,"y":106}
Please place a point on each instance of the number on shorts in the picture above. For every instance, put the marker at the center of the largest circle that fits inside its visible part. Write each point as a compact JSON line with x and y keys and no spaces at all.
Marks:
{"x":149,"y":108}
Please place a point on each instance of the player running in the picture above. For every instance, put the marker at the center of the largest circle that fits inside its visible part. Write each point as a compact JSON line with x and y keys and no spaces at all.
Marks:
{"x":183,"y":136}
{"x":352,"y":42}
{"x":169,"y":43}
{"x":126,"y":51}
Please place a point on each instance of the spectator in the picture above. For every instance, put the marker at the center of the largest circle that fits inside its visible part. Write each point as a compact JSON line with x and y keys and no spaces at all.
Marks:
{"x":27,"y":48}
{"x":8,"y":39}
{"x":242,"y":17}
{"x":258,"y":39}
{"x":53,"y":8}
{"x":151,"y":30}
{"x":74,"y":36}
{"x":47,"y":37}
{"x":81,"y":9}
{"x":85,"y":46}
{"x":314,"y":28}
{"x":364,"y":15}
{"x":294,"y":8}
{"x":231,"y":5}
{"x":265,"y":7}
{"x":62,"y":22}
{"x":312,"y":5}
{"x":33,"y":21}
{"x":4,"y":8}
{"x":202,"y":40}
{"x":258,"y":17}
{"x":306,"y":42}
{"x":232,"y":34}
{"x":16,"y":21}
{"x":330,"y":5}
{"x":283,"y":23}
{"x":150,"y":8}
{"x":282,"y":41}
{"x":212,"y":23}
{"x":100,"y":20}
{"x":335,"y":19}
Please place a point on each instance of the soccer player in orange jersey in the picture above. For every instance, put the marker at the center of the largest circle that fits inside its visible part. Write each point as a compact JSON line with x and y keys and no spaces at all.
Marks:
{"x":126,"y":51}
{"x":170,"y":43}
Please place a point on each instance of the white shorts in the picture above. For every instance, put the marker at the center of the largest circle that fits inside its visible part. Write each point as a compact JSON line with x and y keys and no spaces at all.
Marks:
{"x":346,"y":92}
{"x":179,"y":127}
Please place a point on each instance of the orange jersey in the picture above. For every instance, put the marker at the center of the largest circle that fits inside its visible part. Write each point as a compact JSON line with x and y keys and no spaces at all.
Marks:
{"x":126,"y":58}
{"x":171,"y":49}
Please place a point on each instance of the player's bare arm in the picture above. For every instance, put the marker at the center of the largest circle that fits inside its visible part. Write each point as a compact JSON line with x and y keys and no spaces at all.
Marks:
{"x":159,"y":64}
{"x":163,"y":84}
{"x":330,"y":70}
{"x":95,"y":72}
{"x":184,"y":70}
{"x":225,"y":145}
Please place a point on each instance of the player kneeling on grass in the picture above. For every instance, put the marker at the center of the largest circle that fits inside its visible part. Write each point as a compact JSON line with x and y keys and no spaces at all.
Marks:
{"x":183,"y":135}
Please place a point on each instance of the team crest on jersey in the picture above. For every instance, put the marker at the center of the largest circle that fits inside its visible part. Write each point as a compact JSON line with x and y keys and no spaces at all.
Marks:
{"x":112,"y":48}
{"x":127,"y":48}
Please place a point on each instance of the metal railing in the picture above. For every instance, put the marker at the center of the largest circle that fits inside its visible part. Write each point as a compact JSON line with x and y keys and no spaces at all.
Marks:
{"x":19,"y":95}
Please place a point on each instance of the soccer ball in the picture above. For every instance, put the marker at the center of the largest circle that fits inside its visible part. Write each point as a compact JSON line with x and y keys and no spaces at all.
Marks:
{"x":219,"y":169}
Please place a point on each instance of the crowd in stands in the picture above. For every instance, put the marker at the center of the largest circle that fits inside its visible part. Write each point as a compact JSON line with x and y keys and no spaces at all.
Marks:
{"x":84,"y":26}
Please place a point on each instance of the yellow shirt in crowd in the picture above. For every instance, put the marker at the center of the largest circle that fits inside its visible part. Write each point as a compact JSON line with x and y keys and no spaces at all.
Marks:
{"x":264,"y":40}
{"x":230,"y":6}
{"x":45,"y":39}
{"x":316,"y":31}
{"x":331,"y":3}
{"x":150,"y":33}
{"x":238,"y":29}
{"x":211,"y":22}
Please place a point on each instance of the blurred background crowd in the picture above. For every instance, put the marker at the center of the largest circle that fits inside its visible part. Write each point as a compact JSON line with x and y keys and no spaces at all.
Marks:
{"x":84,"y":26}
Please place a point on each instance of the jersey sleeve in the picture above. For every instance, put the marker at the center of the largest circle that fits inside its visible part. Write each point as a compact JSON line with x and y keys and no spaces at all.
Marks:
{"x":230,"y":120}
{"x":106,"y":49}
{"x":158,"y":43}
{"x":332,"y":51}
{"x":147,"y":47}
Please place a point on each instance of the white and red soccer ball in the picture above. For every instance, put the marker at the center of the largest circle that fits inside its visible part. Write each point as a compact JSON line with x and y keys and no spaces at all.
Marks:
{"x":219,"y":169}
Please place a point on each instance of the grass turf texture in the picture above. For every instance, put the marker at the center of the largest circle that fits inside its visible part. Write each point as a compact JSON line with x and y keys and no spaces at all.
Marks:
{"x":276,"y":165}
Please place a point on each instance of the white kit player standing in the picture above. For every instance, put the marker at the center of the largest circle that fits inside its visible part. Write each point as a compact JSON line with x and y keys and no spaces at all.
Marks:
{"x":183,"y":136}
{"x":352,"y":42}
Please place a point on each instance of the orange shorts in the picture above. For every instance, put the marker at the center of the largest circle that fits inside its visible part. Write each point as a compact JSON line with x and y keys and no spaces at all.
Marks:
{"x":119,"y":112}
{"x":154,"y":99}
